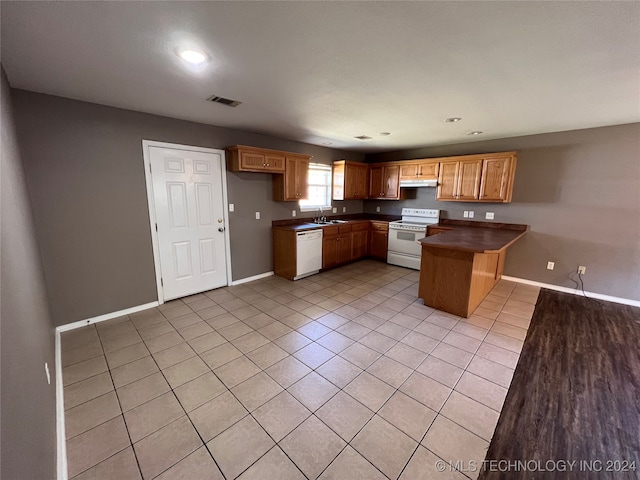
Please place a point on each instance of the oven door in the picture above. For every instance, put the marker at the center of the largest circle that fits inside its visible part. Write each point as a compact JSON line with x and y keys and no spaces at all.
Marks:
{"x":406,"y":241}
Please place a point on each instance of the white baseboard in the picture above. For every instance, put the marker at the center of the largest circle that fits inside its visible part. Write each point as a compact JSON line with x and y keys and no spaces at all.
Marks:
{"x":61,"y":450}
{"x":574,"y":291}
{"x":251,"y":279}
{"x":106,"y":316}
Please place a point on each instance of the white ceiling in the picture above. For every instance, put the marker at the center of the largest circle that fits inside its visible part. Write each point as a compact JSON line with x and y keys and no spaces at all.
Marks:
{"x":324,"y":72}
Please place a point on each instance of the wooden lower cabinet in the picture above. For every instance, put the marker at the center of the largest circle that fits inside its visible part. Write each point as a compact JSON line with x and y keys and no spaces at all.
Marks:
{"x":360,"y":241}
{"x":345,"y":243}
{"x":378,"y":240}
{"x":334,"y":244}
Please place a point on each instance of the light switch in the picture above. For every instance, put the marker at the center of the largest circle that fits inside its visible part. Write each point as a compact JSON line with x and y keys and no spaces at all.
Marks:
{"x":293,"y":213}
{"x":377,"y":209}
{"x":334,"y":210}
{"x":344,"y":209}
{"x":232,"y":207}
{"x":466,"y":214}
{"x":257,"y":215}
{"x":470,"y":213}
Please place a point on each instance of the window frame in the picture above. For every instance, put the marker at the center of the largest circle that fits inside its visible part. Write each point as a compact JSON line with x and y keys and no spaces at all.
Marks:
{"x":327,"y":205}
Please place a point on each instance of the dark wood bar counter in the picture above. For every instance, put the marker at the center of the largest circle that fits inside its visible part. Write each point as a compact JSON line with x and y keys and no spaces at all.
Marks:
{"x":461,"y":265}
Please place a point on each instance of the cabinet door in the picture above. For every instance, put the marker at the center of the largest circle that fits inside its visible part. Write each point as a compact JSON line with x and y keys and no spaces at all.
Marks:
{"x":290,"y":188}
{"x":329,"y":251}
{"x":427,"y":171}
{"x":376,"y":179}
{"x":391,"y":182}
{"x":409,"y":172}
{"x":469,"y":179}
{"x":360,"y":244}
{"x":362,"y":174}
{"x":350,"y":181}
{"x":495,"y":178}
{"x":302,"y":178}
{"x":448,"y":181}
{"x":274,"y":163}
{"x":378,"y":244}
{"x":344,"y":248}
{"x":252,"y":161}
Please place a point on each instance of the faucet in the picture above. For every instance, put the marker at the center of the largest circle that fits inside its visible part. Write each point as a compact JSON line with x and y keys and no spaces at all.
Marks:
{"x":320,"y":218}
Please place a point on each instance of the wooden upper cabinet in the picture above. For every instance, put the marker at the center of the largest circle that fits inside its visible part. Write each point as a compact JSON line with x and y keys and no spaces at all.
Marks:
{"x":384,"y":181}
{"x":469,"y":179}
{"x":448,"y":181}
{"x":350,"y":180}
{"x":252,"y":159}
{"x":424,"y":170}
{"x":294,"y":184}
{"x":477,"y":178}
{"x":497,"y":179}
{"x":459,"y":180}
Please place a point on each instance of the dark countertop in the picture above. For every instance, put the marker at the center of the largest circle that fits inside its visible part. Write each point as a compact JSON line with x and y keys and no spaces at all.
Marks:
{"x":302,"y":224}
{"x":484,"y":238}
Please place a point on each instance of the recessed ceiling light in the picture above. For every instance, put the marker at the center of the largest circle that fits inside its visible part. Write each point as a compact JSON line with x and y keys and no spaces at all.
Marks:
{"x":385,"y":133}
{"x":363,"y":137}
{"x":193,"y":56}
{"x":475,"y":132}
{"x":452,"y":119}
{"x":327,"y":143}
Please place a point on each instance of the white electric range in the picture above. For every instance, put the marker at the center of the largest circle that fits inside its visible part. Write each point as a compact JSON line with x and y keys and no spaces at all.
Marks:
{"x":404,"y":249}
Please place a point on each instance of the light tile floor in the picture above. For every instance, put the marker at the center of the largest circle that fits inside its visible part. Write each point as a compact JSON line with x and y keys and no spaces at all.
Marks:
{"x":342,"y":375}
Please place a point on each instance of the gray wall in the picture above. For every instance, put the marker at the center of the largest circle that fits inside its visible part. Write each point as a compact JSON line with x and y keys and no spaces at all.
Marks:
{"x":28,"y":419}
{"x":85,"y":172}
{"x":580,"y":193}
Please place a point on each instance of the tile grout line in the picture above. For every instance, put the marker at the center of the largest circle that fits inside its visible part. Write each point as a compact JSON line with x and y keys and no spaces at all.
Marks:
{"x":334,"y":354}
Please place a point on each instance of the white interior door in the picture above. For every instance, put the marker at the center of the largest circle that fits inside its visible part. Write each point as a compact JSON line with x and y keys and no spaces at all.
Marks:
{"x":189,"y":208}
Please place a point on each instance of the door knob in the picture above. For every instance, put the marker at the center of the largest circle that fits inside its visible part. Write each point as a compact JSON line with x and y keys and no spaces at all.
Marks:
{"x":221,"y":229}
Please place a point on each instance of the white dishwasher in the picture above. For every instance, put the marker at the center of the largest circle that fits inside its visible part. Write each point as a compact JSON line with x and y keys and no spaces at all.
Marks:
{"x":308,"y":253}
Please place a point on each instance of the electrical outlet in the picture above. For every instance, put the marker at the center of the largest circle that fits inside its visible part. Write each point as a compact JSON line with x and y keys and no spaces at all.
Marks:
{"x":232,"y":207}
{"x":466,"y":214}
{"x":582,"y":270}
{"x":334,"y":210}
{"x":344,"y":209}
{"x":293,"y":213}
{"x":489,"y":216}
{"x":470,"y":213}
{"x":46,"y":370}
{"x":377,"y":209}
{"x":551,"y":265}
{"x":257,"y":215}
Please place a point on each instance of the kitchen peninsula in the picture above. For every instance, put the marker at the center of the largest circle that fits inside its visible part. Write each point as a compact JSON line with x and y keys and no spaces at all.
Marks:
{"x":462,"y":261}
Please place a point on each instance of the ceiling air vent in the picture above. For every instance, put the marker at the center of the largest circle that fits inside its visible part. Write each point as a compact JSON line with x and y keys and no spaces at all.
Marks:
{"x":225,"y":101}
{"x":363,"y":137}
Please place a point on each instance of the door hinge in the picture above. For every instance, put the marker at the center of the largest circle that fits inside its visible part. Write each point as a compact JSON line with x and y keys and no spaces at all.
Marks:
{"x":150,"y":170}
{"x":161,"y":282}
{"x":156,"y":227}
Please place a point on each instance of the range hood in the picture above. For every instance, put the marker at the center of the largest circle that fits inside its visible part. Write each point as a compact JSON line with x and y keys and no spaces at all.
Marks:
{"x":419,"y":183}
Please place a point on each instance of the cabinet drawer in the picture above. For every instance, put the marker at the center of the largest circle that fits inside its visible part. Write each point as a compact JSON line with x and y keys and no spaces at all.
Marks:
{"x":358,"y":227}
{"x":379,"y":226}
{"x":332,"y":230}
{"x":344,"y":228}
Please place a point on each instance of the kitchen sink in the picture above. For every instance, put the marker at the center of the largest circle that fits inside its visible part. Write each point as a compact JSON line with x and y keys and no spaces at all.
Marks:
{"x":331,"y":222}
